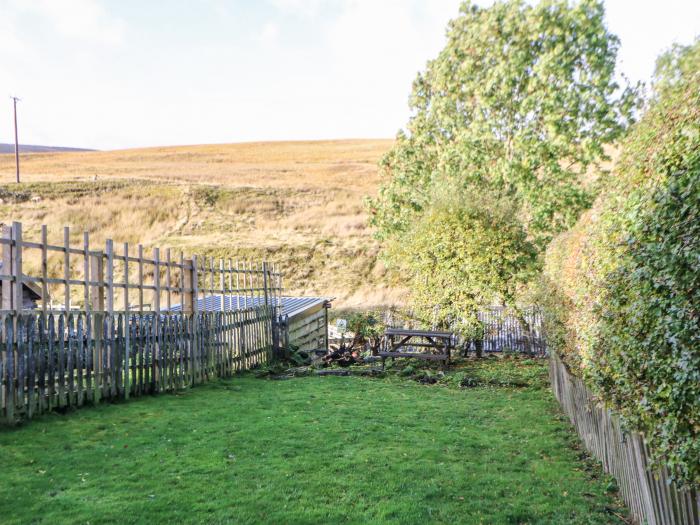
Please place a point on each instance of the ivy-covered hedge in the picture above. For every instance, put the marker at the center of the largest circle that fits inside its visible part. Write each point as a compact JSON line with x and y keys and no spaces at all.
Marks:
{"x":626,"y":315}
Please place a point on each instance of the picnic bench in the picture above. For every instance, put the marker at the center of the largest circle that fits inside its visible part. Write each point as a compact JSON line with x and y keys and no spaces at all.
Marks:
{"x":400,"y":342}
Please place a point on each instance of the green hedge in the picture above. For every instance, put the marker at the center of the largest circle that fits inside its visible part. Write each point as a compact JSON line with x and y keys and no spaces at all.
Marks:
{"x":627,"y":315}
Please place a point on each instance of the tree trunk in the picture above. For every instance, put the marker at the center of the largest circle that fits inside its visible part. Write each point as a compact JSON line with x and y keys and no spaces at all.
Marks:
{"x":479,"y":347}
{"x":526,"y":329}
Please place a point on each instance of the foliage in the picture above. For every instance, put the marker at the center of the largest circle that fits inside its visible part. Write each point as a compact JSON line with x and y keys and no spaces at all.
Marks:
{"x":519,"y":103}
{"x":630,"y":274}
{"x":498,"y":372}
{"x":294,"y":358}
{"x":250,"y":451}
{"x":503,"y":372}
{"x":368,"y":328}
{"x":464,"y":251}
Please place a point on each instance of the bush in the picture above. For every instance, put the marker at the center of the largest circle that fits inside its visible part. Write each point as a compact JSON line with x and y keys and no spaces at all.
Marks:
{"x":466,"y":250}
{"x":368,"y":328}
{"x":628,"y":315}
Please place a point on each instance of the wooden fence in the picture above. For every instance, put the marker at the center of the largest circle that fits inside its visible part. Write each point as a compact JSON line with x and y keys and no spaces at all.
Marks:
{"x":68,"y":359}
{"x":503,"y":331}
{"x":79,"y":324}
{"x":650,"y":495}
{"x":80,"y":277}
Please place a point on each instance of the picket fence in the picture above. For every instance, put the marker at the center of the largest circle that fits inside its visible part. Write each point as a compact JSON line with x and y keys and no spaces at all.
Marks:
{"x":62,"y":360}
{"x":649,"y":493}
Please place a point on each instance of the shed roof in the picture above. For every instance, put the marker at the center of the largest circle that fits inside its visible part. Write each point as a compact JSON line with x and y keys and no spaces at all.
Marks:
{"x":291,"y":306}
{"x":32,"y":289}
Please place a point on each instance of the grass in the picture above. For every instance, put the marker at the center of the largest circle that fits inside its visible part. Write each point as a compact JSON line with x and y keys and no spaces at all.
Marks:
{"x":311,"y":450}
{"x":299,"y":203}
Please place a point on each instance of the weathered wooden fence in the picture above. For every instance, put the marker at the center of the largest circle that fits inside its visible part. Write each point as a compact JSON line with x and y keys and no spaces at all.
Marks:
{"x":650,"y":495}
{"x":82,"y":277}
{"x":66,"y":360}
{"x":65,"y":342}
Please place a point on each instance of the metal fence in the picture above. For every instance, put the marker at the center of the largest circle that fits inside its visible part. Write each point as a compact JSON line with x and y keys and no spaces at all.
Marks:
{"x":503,"y":332}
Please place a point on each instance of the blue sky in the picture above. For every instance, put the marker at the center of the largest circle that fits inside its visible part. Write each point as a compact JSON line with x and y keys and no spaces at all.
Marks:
{"x":125,"y":73}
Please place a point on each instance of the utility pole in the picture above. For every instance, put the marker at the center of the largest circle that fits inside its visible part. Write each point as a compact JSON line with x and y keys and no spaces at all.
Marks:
{"x":14,"y":100}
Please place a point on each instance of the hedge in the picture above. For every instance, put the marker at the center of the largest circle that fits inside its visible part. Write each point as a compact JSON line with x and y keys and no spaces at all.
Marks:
{"x":626,"y":312}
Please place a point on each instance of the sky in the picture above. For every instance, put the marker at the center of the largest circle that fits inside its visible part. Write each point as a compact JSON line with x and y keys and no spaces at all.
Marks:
{"x":110,"y":74}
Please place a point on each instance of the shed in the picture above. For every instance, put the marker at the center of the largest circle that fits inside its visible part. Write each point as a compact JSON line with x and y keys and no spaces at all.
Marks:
{"x":31,"y":293}
{"x":306,"y":318}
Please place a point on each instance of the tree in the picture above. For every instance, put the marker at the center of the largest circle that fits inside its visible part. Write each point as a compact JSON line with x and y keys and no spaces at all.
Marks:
{"x":465,"y":250}
{"x":519,"y":103}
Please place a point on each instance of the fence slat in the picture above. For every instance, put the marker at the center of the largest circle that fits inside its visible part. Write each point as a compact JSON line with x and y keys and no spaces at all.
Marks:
{"x":80,"y":358}
{"x":41,"y":358}
{"x":61,"y":356}
{"x":51,"y":358}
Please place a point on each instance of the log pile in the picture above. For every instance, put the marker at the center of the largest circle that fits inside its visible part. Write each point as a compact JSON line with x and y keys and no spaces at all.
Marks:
{"x":342,"y":355}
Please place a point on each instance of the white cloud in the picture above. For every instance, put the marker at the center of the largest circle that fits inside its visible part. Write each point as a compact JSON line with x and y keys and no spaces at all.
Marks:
{"x":269,"y":33}
{"x":306,"y":8}
{"x":85,"y":20}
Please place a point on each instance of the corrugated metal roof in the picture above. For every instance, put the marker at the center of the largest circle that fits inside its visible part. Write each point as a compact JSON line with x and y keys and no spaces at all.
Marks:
{"x":216,"y":303}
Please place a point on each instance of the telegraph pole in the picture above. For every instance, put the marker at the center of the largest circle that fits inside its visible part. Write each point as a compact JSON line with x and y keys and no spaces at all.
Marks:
{"x":15,"y":100}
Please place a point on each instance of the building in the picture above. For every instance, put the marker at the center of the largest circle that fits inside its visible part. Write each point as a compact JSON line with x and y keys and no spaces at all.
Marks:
{"x":31,"y":293}
{"x":305,"y":318}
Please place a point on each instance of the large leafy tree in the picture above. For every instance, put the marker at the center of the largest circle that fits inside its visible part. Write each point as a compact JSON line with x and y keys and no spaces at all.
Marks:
{"x":519,"y":103}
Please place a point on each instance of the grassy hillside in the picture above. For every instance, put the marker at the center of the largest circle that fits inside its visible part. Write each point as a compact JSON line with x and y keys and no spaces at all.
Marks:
{"x":298,"y":203}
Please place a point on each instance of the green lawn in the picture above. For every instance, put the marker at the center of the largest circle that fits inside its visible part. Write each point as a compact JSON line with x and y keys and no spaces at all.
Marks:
{"x":306,"y":450}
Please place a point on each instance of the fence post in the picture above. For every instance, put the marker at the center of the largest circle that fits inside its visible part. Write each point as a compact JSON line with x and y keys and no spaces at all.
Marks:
{"x":109,"y":249}
{"x":156,"y":280}
{"x":168,"y":284}
{"x":66,"y":269}
{"x":158,"y":347}
{"x":128,"y":379}
{"x":189,"y":302}
{"x":86,"y":270}
{"x":97,"y":283}
{"x":7,"y":268}
{"x":97,"y":297}
{"x":44,"y":270}
{"x":17,"y":267}
{"x":264,"y":271}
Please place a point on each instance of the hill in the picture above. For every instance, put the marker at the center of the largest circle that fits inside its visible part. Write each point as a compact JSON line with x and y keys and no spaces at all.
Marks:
{"x":298,"y":203}
{"x":29,"y":148}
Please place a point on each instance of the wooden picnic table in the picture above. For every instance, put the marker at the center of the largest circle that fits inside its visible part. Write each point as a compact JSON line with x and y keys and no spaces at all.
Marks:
{"x":438,"y":345}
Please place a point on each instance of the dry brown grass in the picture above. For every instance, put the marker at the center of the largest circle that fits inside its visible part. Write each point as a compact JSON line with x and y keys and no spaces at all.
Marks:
{"x":299,"y":203}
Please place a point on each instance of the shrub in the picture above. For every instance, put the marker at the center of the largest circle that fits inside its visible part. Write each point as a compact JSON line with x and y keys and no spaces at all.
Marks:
{"x":466,"y":250}
{"x":628,"y":315}
{"x":368,"y":328}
